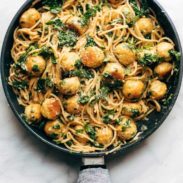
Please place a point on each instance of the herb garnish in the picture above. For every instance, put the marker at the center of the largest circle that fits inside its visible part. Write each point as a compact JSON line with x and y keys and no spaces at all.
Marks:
{"x":54,"y":5}
{"x":149,"y":59}
{"x":90,"y":131}
{"x":20,"y":84}
{"x":67,"y":38}
{"x":84,"y":100}
{"x":57,"y":23}
{"x":90,"y":41}
{"x":91,"y":12}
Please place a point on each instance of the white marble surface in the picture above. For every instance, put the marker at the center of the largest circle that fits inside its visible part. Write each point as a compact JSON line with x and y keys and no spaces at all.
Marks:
{"x":24,"y":159}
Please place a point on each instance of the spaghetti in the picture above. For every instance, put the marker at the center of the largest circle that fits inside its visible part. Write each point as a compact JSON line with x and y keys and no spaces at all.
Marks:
{"x":88,"y":70}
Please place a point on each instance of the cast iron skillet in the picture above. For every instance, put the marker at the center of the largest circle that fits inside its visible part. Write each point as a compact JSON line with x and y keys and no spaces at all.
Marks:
{"x":93,"y":160}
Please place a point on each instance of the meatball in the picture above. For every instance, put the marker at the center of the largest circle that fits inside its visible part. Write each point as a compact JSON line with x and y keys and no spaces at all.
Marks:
{"x":104,"y":135}
{"x":69,"y":60}
{"x":127,"y":13}
{"x":92,"y":57}
{"x":163,"y":69}
{"x":69,"y":86}
{"x":74,"y":22}
{"x":54,"y":128}
{"x":51,"y":108}
{"x":163,"y":49}
{"x":29,"y":18}
{"x":134,"y":109}
{"x":145,"y":25}
{"x":133,"y":89}
{"x":124,"y":54}
{"x":72,"y":105}
{"x":47,"y":16}
{"x":35,"y":65}
{"x":127,"y":129}
{"x":33,"y":112}
{"x":157,"y":89}
{"x":115,"y":70}
{"x":81,"y":134}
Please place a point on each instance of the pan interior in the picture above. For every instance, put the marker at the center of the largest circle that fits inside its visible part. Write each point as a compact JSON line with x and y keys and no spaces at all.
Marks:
{"x":155,"y":119}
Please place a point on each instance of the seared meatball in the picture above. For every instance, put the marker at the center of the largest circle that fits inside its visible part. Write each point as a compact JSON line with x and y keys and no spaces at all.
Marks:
{"x":104,"y":135}
{"x":134,"y":109}
{"x":51,"y":108}
{"x":74,"y":22}
{"x":54,"y":128}
{"x":133,"y":89}
{"x":127,"y":129}
{"x":35,"y":65}
{"x":33,"y":112}
{"x":163,"y":49}
{"x":69,"y":86}
{"x":124,"y":54}
{"x":69,"y":60}
{"x":72,"y":105}
{"x":127,"y":13}
{"x":92,"y":56}
{"x":29,"y":18}
{"x":145,"y":25}
{"x":115,"y":70}
{"x":163,"y":69}
{"x":157,"y":89}
{"x":114,"y":1}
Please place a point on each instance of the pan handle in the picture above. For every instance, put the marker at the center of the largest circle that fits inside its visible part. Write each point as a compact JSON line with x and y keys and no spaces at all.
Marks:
{"x":94,"y":170}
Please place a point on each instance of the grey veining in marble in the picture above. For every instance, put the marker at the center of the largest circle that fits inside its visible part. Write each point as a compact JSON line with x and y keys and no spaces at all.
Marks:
{"x":24,"y":159}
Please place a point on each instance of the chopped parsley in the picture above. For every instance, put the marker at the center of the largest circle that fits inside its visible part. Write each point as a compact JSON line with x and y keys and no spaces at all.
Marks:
{"x":67,"y":38}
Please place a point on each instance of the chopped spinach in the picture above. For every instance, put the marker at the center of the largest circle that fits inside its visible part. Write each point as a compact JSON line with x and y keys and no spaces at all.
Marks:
{"x":67,"y":38}
{"x":143,"y":10}
{"x":35,"y":68}
{"x":20,"y":84}
{"x":149,"y":59}
{"x":43,"y":84}
{"x":57,"y":23}
{"x":175,"y":55}
{"x":91,"y":12}
{"x":54,"y":5}
{"x":47,"y":53}
{"x":84,"y":100}
{"x":90,"y":41}
{"x":135,"y":113}
{"x":90,"y":131}
{"x":79,"y":131}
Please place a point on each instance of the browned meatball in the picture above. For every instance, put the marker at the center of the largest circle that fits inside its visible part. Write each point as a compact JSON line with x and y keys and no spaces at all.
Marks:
{"x":133,"y":89}
{"x":29,"y":18}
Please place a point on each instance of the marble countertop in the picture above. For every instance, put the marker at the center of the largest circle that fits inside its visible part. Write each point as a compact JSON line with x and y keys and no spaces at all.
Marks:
{"x":25,"y":159}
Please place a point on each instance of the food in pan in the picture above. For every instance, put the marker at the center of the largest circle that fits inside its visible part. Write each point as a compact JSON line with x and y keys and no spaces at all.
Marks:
{"x":87,"y":71}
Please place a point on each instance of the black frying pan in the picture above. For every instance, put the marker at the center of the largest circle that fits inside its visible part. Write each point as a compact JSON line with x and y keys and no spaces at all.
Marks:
{"x":93,"y":169}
